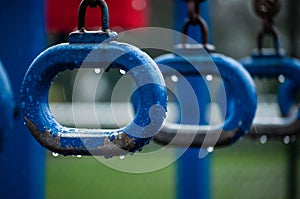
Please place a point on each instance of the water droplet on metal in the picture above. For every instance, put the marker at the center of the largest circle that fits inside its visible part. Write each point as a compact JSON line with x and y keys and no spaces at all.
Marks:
{"x":281,"y":78}
{"x":122,"y":72}
{"x":286,"y":139}
{"x":55,"y":154}
{"x":97,"y":70}
{"x":263,"y":139}
{"x":174,"y":78}
{"x":209,"y":78}
{"x":240,"y":123}
{"x":210,"y":149}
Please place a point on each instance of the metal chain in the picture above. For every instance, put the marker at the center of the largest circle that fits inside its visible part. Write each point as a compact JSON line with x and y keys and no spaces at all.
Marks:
{"x":193,"y":9}
{"x":267,"y":10}
{"x":194,"y":18}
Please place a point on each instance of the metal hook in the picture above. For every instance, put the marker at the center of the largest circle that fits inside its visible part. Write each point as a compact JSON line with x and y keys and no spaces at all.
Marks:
{"x":267,"y":10}
{"x":194,"y":18}
{"x":203,"y":28}
{"x":93,"y":3}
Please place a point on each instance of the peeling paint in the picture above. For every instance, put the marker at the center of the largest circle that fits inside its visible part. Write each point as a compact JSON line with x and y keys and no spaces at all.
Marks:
{"x":124,"y":142}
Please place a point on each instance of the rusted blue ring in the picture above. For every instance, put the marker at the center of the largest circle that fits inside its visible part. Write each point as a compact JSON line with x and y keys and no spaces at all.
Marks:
{"x":7,"y":103}
{"x":238,"y":82}
{"x":73,"y":141}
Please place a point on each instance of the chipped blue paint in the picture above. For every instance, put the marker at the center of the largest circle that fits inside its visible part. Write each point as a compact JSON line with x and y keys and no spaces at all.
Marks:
{"x":7,"y":106}
{"x":238,"y":83}
{"x":108,"y":55}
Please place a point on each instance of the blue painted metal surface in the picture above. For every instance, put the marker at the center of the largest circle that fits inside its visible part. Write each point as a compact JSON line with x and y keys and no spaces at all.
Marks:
{"x":193,"y":173}
{"x":270,"y":64}
{"x":193,"y":180}
{"x":93,"y":50}
{"x":7,"y":106}
{"x":287,"y":97}
{"x":22,"y":160}
{"x":242,"y":107}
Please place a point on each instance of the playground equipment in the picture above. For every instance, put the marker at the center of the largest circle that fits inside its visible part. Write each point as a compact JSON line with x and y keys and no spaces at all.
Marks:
{"x":30,"y":164}
{"x":7,"y":106}
{"x":189,"y":60}
{"x":98,"y":49}
{"x":271,"y":63}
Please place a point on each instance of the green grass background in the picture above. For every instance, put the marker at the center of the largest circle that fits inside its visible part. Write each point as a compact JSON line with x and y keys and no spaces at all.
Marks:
{"x":246,"y":170}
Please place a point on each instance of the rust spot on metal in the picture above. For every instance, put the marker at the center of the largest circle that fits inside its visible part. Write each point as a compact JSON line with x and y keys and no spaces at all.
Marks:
{"x":121,"y":144}
{"x":124,"y":142}
{"x":44,"y":138}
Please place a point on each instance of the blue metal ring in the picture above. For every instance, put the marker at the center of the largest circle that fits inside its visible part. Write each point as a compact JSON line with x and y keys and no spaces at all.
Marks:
{"x":7,"y":106}
{"x":238,"y":82}
{"x":73,"y":141}
{"x":271,"y":65}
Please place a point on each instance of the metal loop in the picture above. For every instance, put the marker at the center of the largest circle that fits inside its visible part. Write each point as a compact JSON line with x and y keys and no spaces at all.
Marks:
{"x":193,"y":10}
{"x":267,"y":10}
{"x":105,"y":142}
{"x":273,"y":32}
{"x":270,"y":65}
{"x":237,"y":122}
{"x":93,"y":3}
{"x":203,"y":28}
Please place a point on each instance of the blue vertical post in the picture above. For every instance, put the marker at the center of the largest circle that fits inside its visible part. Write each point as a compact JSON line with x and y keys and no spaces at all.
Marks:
{"x":193,"y":173}
{"x":22,"y":38}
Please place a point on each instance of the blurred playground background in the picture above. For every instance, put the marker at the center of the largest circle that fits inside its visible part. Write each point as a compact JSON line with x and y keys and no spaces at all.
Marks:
{"x":249,"y":169}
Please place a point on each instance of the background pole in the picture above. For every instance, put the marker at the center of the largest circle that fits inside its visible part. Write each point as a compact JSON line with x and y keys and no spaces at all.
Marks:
{"x":22,"y":160}
{"x":193,"y":173}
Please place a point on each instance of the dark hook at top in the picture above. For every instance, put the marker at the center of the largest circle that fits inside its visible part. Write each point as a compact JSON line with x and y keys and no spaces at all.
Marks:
{"x":193,"y":9}
{"x":93,"y":4}
{"x":267,"y":10}
{"x":194,"y":18}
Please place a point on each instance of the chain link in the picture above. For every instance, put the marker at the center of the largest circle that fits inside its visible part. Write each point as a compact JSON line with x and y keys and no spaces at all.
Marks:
{"x":267,"y":10}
